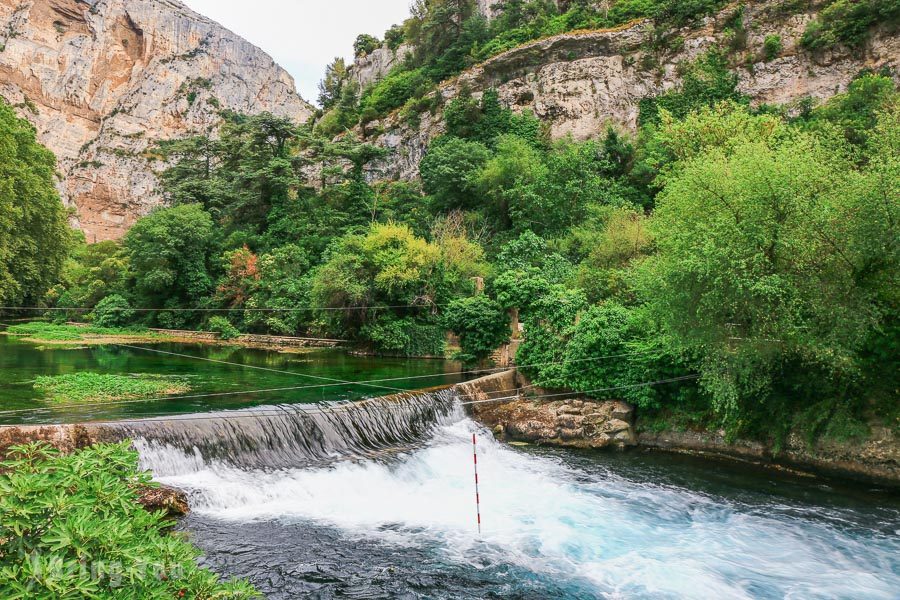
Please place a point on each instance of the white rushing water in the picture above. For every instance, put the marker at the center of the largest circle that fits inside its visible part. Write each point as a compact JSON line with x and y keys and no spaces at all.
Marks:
{"x":627,"y":538}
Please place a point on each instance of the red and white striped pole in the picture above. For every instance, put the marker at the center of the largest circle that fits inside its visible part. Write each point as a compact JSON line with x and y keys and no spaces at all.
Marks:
{"x":477,"y":496}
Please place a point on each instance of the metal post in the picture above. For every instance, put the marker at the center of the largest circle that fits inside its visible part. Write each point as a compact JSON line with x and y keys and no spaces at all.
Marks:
{"x":477,"y":496}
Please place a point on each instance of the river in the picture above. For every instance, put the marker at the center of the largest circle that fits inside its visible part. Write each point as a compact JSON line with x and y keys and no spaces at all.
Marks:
{"x":21,"y":362}
{"x":390,"y":513}
{"x":376,"y":499}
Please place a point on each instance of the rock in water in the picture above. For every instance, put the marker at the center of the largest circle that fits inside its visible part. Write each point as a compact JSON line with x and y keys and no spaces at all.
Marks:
{"x":167,"y":499}
{"x":103,"y":80}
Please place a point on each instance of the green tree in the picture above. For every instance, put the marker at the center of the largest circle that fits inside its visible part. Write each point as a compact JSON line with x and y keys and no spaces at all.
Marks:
{"x":112,"y":311}
{"x":481,"y":324}
{"x":365,"y":44}
{"x":505,"y":181}
{"x":388,"y":274}
{"x":193,"y":176}
{"x":92,"y":272}
{"x":34,"y":236}
{"x":767,"y":268}
{"x":283,"y":283}
{"x":332,"y":85}
{"x":450,"y":170}
{"x":170,"y":253}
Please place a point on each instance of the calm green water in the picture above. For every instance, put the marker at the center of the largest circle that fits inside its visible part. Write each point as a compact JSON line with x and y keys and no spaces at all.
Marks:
{"x":22,"y":362}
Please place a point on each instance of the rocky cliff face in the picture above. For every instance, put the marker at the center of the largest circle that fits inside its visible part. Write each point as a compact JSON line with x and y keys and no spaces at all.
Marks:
{"x":103,"y":80}
{"x":578,"y":83}
{"x":372,"y":67}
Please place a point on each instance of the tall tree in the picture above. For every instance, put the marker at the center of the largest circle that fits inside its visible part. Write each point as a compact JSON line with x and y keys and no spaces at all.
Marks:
{"x":34,"y":236}
{"x":170,"y":251}
{"x":330,"y":87}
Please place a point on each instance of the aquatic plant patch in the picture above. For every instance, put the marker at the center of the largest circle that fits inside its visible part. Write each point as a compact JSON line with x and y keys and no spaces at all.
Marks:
{"x":99,"y":387}
{"x":51,"y":332}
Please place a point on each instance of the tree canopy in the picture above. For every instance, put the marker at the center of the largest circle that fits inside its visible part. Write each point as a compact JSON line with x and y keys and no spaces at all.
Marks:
{"x":34,"y":235}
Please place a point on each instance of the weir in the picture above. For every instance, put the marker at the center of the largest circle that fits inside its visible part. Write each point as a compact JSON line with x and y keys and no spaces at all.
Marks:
{"x":288,"y":436}
{"x":264,"y":437}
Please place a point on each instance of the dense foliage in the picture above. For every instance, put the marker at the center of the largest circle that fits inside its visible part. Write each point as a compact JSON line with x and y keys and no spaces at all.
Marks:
{"x":727,"y":267}
{"x":730,"y":262}
{"x":34,"y":237}
{"x":72,"y":527}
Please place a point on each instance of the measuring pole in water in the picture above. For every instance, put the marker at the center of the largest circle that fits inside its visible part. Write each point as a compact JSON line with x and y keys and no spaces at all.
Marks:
{"x":477,"y":497}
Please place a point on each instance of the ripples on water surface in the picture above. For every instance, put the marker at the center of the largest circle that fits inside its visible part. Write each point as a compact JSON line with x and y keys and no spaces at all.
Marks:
{"x":556,"y":524}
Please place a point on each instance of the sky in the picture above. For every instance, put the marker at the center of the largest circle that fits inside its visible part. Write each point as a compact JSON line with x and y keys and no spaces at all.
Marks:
{"x":303,"y":36}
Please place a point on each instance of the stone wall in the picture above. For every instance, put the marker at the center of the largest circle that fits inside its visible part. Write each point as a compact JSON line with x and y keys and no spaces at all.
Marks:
{"x":253,"y":339}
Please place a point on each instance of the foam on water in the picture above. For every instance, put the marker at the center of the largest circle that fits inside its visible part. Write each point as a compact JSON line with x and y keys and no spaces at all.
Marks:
{"x":625,"y":538}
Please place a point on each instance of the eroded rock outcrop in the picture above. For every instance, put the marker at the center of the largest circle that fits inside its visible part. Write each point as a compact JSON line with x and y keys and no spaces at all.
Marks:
{"x":372,"y":67}
{"x":567,"y":422}
{"x":103,"y":80}
{"x":578,"y":83}
{"x":577,"y":423}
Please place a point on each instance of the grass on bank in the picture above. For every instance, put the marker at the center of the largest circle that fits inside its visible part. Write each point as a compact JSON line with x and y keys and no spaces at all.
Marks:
{"x":97,"y":387}
{"x":52,"y":332}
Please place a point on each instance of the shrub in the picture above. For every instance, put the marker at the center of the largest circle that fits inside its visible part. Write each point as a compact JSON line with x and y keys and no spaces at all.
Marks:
{"x":407,"y":336}
{"x":223,"y":327}
{"x":707,"y":81}
{"x":365,"y":44}
{"x":113,"y":311}
{"x":72,"y":527}
{"x":392,"y":92}
{"x":849,"y":22}
{"x":481,"y":324}
{"x":772,"y":47}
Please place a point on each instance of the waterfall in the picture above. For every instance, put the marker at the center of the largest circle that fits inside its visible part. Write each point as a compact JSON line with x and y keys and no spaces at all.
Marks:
{"x":290,"y":436}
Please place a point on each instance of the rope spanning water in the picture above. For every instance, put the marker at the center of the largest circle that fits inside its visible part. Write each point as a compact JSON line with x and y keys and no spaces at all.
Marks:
{"x":310,"y":386}
{"x":588,"y":392}
{"x":273,"y":410}
{"x":258,"y":368}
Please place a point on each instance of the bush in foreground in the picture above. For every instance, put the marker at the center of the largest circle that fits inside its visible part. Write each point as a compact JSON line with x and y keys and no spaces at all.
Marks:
{"x":71,"y":527}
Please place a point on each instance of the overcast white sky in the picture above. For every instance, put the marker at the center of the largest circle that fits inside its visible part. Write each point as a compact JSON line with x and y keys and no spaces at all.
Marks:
{"x":303,"y":36}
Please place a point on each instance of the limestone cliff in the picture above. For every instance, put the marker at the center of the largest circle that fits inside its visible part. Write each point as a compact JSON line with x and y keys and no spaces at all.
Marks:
{"x":372,"y":67}
{"x":102,"y":80}
{"x":577,"y":83}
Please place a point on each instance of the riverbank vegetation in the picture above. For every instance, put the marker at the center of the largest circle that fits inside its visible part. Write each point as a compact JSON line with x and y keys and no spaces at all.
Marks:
{"x":72,"y":527}
{"x":754,"y":248}
{"x":81,"y":387}
{"x":43,"y":332}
